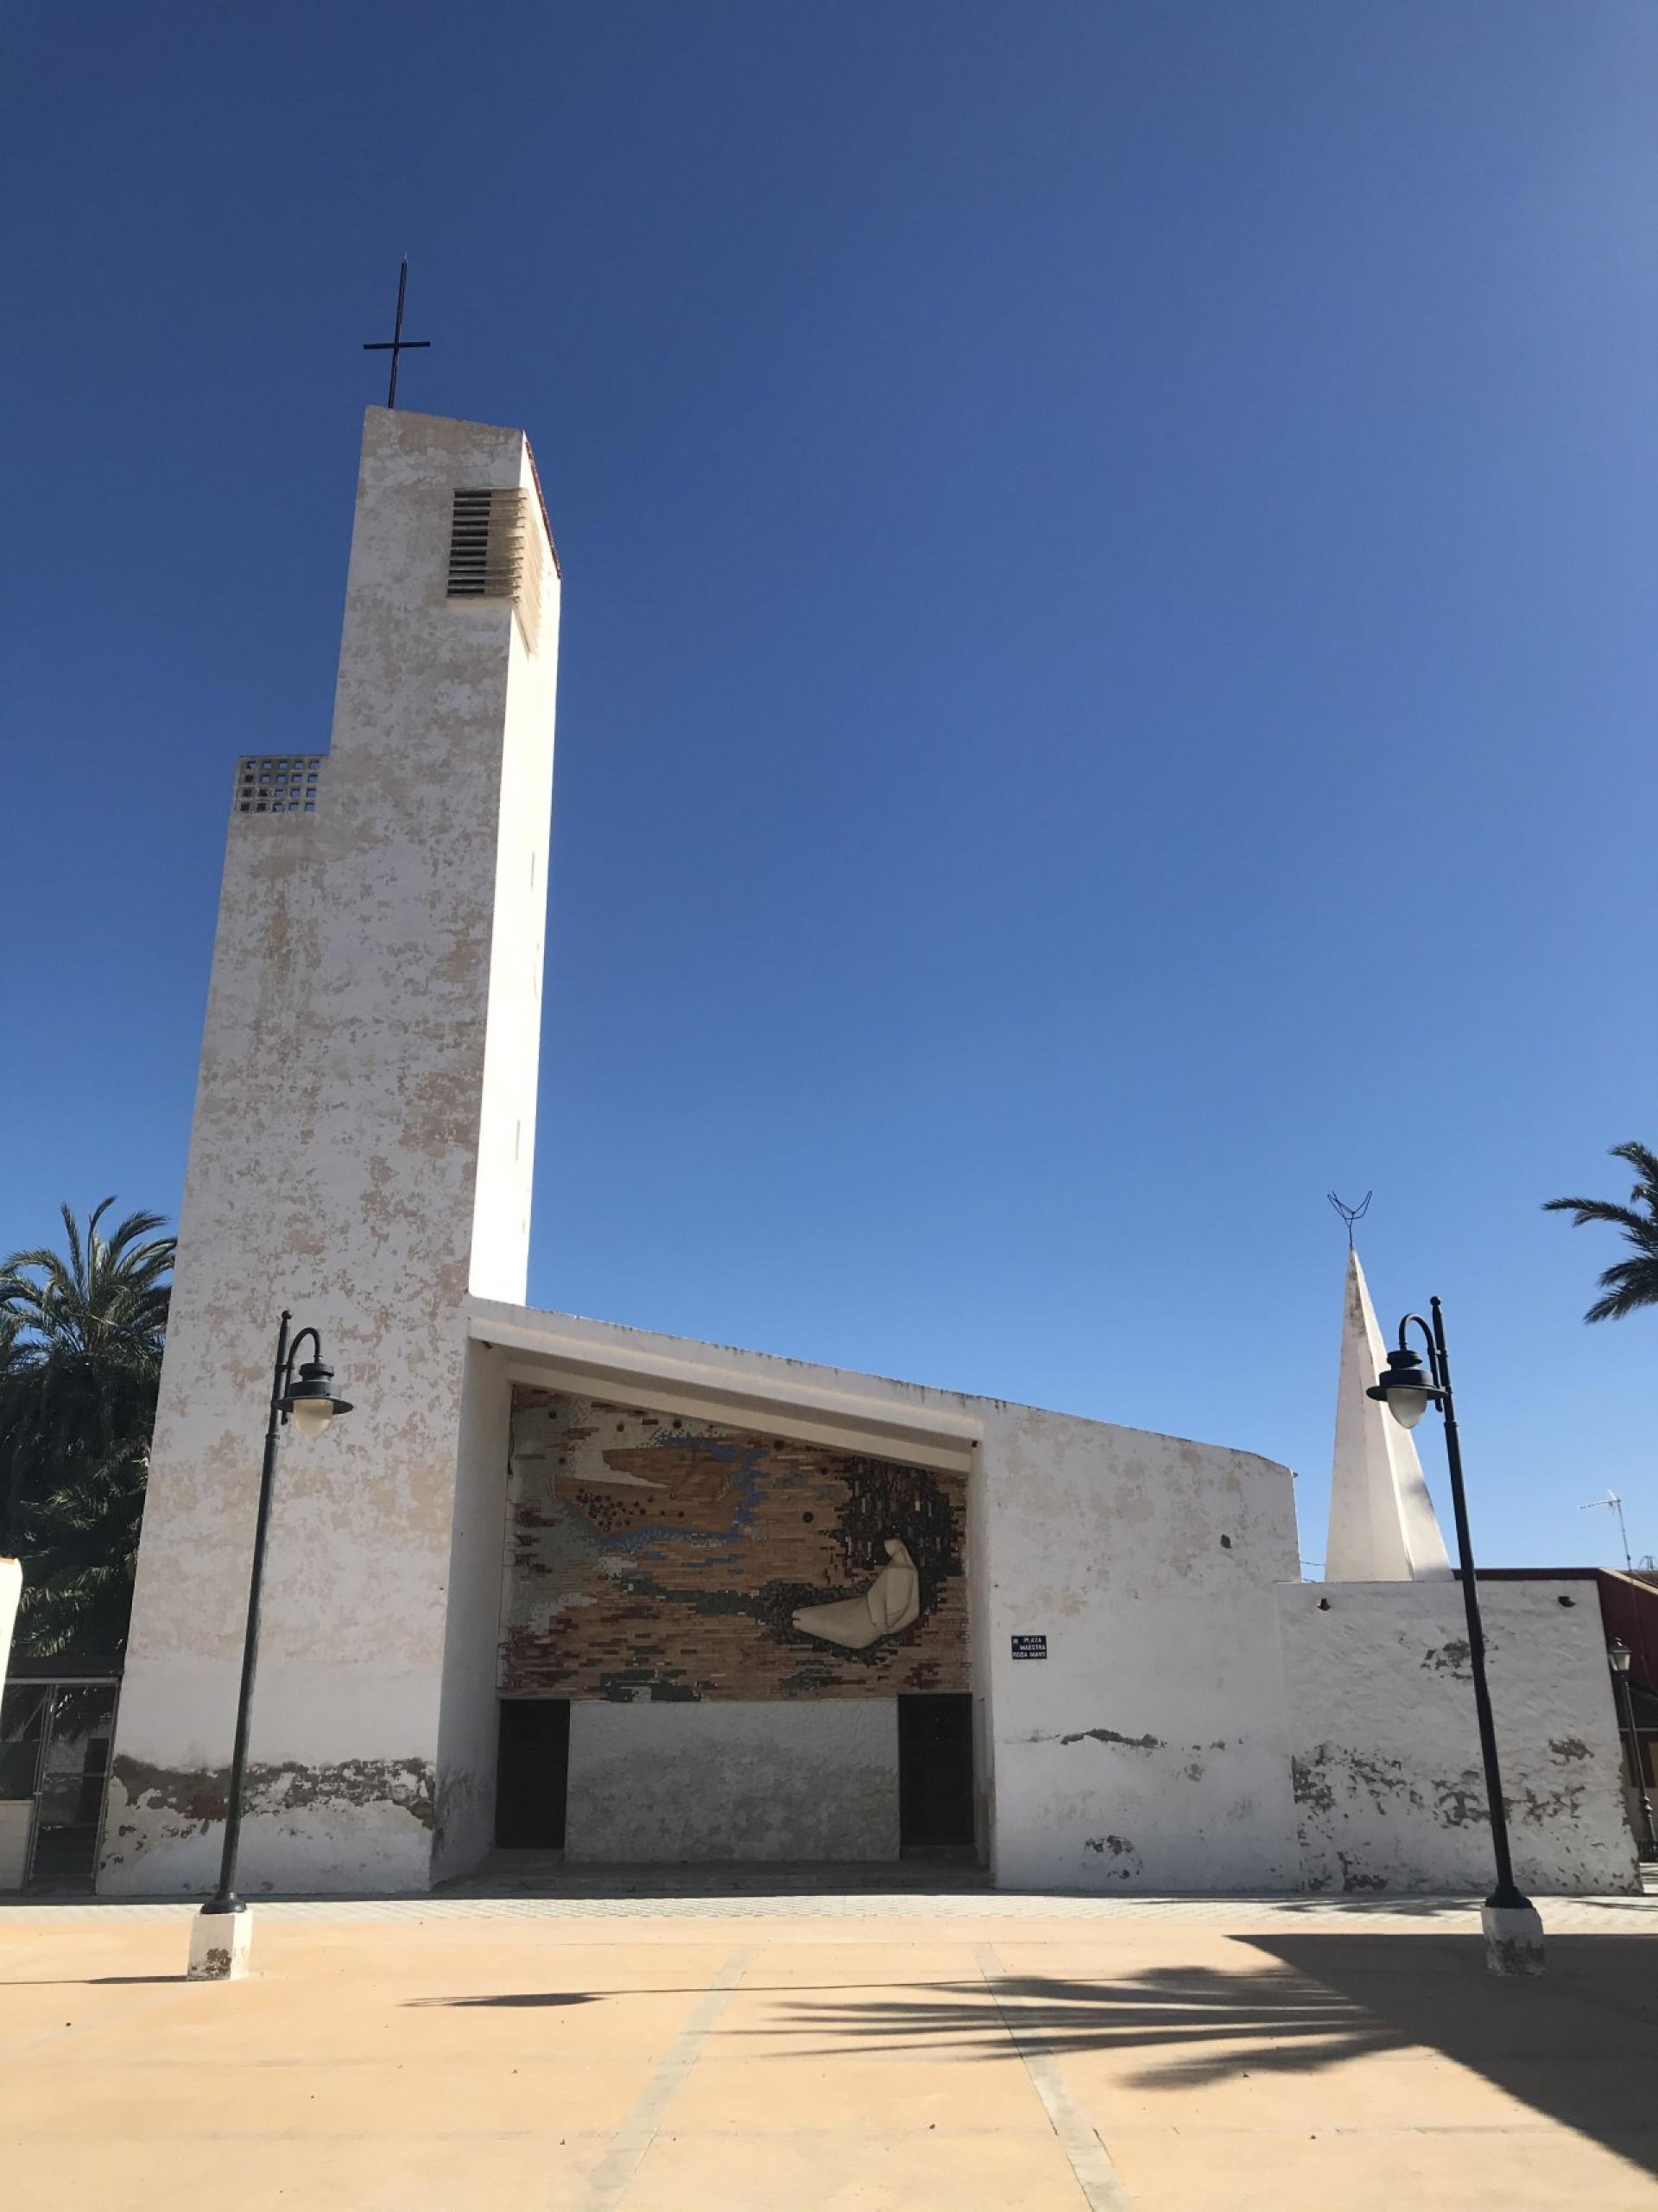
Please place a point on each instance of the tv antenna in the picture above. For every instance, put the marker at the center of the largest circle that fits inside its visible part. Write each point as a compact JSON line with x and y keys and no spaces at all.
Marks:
{"x":1612,"y":1499}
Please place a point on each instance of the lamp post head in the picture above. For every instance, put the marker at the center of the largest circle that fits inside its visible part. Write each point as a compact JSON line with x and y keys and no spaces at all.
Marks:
{"x":311,"y":1402}
{"x":1403,"y":1388}
{"x":1619,"y":1653}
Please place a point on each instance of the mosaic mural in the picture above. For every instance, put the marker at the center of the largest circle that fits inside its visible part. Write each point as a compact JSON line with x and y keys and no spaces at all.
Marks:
{"x":649,"y":1555}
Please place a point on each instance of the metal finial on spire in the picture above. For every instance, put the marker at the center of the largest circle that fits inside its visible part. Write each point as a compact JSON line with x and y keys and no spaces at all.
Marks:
{"x":1350,"y":1214}
{"x":397,"y":343}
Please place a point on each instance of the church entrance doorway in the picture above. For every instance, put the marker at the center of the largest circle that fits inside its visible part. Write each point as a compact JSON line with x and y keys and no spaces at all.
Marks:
{"x":935,"y":1774}
{"x":532,"y":1774}
{"x":761,"y":1637}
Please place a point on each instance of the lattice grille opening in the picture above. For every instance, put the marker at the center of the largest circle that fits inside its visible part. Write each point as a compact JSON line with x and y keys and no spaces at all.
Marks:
{"x":495,"y":553}
{"x":277,"y":783}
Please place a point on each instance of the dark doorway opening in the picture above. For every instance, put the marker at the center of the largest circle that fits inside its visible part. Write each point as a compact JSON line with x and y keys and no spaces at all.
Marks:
{"x":532,"y":1773}
{"x":935,"y":1774}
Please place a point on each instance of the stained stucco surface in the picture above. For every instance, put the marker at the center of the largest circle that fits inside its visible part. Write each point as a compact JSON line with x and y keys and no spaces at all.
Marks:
{"x":723,"y":1780}
{"x":1197,"y":1723}
{"x":1388,"y":1788}
{"x":367,"y":1089}
{"x":1148,"y":1750}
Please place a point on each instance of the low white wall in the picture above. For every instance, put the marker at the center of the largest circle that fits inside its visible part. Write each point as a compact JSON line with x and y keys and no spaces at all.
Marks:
{"x":1389,"y":1787}
{"x":676,"y":1783}
{"x":1147,"y":1750}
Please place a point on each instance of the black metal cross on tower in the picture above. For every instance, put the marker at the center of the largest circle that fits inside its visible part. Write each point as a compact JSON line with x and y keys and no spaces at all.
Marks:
{"x":397,"y":343}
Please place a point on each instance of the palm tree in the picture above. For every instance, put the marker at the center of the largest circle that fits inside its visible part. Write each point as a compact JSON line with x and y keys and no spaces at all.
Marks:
{"x":1631,"y":1283}
{"x":81,"y":1334}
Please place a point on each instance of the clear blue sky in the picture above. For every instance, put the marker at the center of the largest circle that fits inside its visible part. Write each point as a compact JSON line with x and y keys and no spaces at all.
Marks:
{"x":1109,"y":654}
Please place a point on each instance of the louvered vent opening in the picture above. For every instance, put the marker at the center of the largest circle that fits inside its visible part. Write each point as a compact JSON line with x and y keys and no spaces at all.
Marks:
{"x":494,"y":554}
{"x":277,"y":783}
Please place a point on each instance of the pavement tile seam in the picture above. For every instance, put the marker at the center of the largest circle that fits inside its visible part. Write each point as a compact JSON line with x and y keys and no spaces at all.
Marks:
{"x":610,"y":2178}
{"x":1089,"y":2159}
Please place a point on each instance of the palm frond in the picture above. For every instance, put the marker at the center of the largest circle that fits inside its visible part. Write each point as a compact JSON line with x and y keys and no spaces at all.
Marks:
{"x":81,"y":1336}
{"x":1632,"y":1282}
{"x":1598,"y":1209}
{"x":1644,"y":1160}
{"x":129,"y":1233}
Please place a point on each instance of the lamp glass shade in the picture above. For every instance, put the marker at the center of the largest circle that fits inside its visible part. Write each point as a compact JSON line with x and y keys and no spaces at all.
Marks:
{"x":1406,"y":1403}
{"x":1618,"y":1653}
{"x":311,"y":1403}
{"x":311,"y":1416}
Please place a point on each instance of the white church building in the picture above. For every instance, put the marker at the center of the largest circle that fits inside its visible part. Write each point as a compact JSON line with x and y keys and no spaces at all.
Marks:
{"x":560,"y":1585}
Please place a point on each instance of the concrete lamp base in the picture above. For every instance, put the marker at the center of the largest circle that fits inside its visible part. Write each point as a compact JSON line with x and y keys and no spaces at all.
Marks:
{"x":221,"y":1943}
{"x":1514,"y":1938}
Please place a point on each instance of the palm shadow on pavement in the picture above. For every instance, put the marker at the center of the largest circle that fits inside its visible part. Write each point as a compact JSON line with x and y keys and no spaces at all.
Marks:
{"x":1580,"y":2044}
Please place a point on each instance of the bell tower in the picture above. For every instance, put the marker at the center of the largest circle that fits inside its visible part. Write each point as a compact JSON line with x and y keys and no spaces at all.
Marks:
{"x":361,"y":1151}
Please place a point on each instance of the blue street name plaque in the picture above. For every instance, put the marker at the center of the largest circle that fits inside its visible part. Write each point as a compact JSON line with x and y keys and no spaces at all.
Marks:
{"x":1030,"y":1647}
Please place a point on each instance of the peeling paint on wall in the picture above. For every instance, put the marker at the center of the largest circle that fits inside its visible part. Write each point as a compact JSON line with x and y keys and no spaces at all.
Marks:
{"x":1157,"y":1716}
{"x":1113,"y":1736}
{"x":1389,"y":1792}
{"x":1122,"y":1860}
{"x":201,"y":1799}
{"x":369,"y":1052}
{"x":356,"y":1821}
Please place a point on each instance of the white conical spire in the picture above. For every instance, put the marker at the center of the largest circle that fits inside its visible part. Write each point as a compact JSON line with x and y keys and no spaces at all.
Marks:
{"x":1382,"y":1525}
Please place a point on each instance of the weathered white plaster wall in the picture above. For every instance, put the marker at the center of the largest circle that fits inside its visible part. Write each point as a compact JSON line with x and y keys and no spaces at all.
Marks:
{"x":512,"y":1041}
{"x":468,"y":1727}
{"x":681,"y":1782}
{"x":1389,"y":1786}
{"x":357,"y":1104}
{"x":1148,"y":1750}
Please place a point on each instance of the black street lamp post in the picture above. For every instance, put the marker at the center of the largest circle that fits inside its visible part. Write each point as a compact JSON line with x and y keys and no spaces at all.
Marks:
{"x":1618,"y":1655}
{"x":310,"y":1403}
{"x":1512,"y":1946}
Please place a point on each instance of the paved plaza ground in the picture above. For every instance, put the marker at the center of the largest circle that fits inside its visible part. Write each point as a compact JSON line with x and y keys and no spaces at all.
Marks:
{"x":884,"y":2050}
